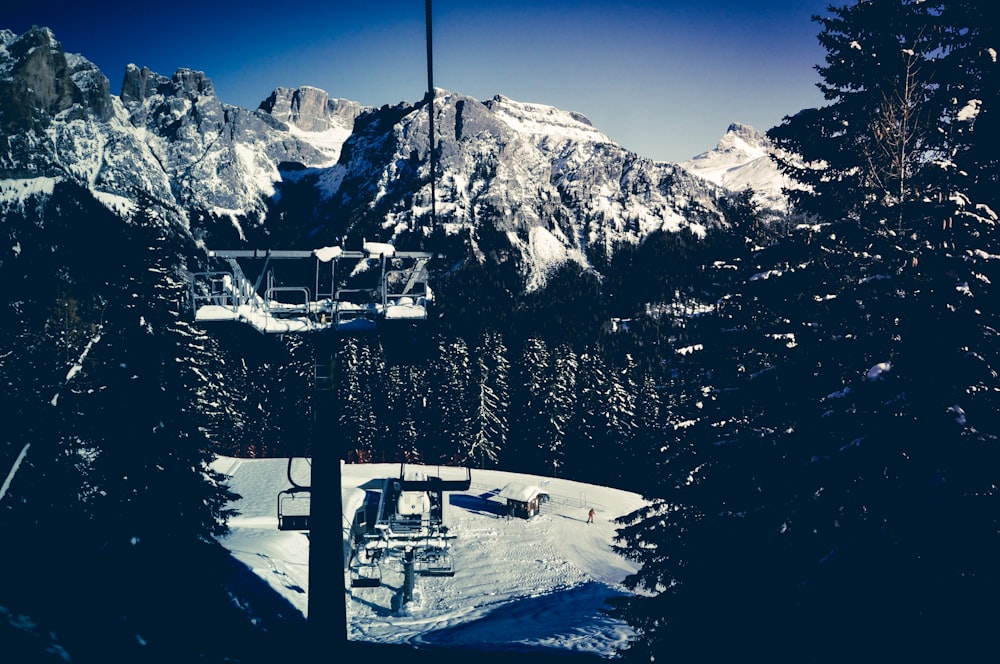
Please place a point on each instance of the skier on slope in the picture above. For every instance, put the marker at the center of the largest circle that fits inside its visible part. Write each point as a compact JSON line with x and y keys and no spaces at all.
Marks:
{"x":590,"y":515}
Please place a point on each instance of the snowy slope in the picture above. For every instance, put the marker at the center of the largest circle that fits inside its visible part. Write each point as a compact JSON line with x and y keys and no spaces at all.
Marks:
{"x":518,"y":584}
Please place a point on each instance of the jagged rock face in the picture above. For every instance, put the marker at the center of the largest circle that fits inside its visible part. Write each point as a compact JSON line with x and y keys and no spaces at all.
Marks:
{"x":559,"y":188}
{"x":176,"y":109}
{"x":220,"y":158}
{"x":39,"y":82}
{"x":168,"y":139}
{"x":41,"y":86}
{"x":310,"y":109}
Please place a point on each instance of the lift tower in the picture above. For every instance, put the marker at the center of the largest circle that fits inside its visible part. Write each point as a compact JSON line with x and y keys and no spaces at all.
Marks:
{"x":392,"y":302}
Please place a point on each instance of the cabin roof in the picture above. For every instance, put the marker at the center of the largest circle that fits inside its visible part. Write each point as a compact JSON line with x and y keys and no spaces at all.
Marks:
{"x":522,"y":493}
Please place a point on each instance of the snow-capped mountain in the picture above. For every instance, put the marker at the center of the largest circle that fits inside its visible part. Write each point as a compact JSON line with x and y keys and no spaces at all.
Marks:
{"x":742,"y":160}
{"x":168,"y":139}
{"x":554,"y":185}
{"x":557,"y":187}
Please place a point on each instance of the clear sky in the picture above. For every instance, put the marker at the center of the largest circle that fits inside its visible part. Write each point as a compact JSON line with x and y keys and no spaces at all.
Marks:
{"x":663,"y":78}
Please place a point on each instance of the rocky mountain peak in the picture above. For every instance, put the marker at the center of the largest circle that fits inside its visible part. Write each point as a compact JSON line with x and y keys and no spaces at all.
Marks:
{"x":140,"y":84}
{"x":557,"y":189}
{"x":38,"y":81}
{"x":310,"y":109}
{"x":741,"y":160}
{"x":541,"y":119}
{"x":743,"y":139}
{"x":182,"y":106}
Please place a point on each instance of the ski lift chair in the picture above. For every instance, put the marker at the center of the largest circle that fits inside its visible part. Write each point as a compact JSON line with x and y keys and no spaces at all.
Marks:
{"x":435,"y":562}
{"x":293,"y":508}
{"x":366,"y":575}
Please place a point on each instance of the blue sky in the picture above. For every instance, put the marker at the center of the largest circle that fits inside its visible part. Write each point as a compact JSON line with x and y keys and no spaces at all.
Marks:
{"x":663,"y":79}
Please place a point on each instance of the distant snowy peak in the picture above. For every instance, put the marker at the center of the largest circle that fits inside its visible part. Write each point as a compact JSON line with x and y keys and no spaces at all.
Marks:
{"x":312,"y":116}
{"x":740,"y":145}
{"x":741,"y":160}
{"x":744,"y":140}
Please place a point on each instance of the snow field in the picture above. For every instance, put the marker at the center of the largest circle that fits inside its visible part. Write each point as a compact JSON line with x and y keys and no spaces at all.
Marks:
{"x":518,"y":584}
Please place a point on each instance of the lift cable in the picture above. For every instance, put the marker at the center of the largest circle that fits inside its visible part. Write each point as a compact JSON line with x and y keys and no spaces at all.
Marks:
{"x":430,"y":110}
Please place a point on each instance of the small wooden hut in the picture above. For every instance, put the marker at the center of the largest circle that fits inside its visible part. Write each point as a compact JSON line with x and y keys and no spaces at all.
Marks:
{"x":523,"y":500}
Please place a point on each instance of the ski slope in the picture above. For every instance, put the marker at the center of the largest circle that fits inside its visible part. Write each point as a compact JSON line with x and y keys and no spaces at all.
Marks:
{"x":518,"y":585}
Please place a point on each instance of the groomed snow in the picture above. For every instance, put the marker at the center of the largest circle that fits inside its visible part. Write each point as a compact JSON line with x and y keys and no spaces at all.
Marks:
{"x":518,"y":584}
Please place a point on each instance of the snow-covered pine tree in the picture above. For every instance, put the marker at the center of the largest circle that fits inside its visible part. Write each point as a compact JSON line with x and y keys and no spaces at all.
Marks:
{"x":490,"y":423}
{"x":408,"y":416}
{"x":562,"y":402}
{"x":452,"y":397}
{"x":861,"y":155}
{"x":532,"y":428}
{"x":360,"y":388}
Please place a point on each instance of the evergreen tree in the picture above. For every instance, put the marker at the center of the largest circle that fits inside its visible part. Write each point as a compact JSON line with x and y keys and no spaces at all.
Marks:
{"x":118,"y":483}
{"x":861,"y":156}
{"x":533,"y":427}
{"x":608,"y":418}
{"x":650,"y":438}
{"x":562,"y":403}
{"x":816,"y":489}
{"x":453,"y":398}
{"x":965,"y":203}
{"x":490,"y":424}
{"x":407,"y":415}
{"x":359,"y":390}
{"x":589,"y":429}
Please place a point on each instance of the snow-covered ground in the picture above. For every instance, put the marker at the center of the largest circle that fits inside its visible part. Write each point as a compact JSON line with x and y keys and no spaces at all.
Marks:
{"x":518,"y":584}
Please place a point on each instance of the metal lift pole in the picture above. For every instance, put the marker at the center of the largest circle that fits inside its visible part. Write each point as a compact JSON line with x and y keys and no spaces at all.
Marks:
{"x":327,"y":619}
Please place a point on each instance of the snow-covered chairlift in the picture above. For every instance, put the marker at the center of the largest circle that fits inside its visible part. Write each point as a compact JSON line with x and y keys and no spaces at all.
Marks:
{"x":375,"y":290}
{"x":434,"y":562}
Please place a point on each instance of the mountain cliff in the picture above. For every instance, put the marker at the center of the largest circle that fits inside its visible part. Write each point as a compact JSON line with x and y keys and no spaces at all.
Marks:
{"x":304,"y":168}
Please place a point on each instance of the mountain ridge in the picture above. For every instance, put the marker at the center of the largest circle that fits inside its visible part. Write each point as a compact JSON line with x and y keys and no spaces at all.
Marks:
{"x":556,"y":187}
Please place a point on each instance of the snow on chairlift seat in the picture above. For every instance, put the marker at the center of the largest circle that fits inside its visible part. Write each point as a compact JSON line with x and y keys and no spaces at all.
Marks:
{"x":406,"y":308}
{"x":216,"y":313}
{"x":376,"y":249}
